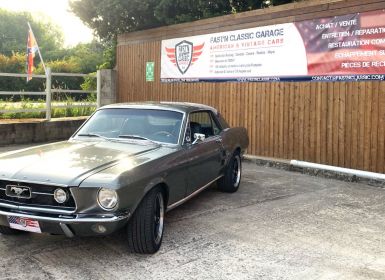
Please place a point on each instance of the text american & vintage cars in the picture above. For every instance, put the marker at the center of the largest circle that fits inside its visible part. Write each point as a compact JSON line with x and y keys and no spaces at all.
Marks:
{"x":124,"y":168}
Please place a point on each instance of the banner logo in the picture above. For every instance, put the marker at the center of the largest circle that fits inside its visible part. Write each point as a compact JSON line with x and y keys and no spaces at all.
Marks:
{"x":184,"y":55}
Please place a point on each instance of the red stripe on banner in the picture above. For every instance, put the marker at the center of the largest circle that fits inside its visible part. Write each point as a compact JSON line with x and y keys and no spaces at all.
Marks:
{"x":199,"y":47}
{"x":170,"y":50}
{"x":372,"y":19}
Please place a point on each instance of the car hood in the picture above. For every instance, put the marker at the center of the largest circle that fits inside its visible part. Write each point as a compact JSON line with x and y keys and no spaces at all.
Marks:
{"x":67,"y":163}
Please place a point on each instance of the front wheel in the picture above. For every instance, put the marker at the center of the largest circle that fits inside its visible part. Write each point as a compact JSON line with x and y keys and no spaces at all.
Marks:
{"x":232,"y":177}
{"x":145,"y":228}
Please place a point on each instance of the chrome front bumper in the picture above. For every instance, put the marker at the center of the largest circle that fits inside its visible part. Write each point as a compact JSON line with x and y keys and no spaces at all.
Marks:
{"x":70,"y":223}
{"x":69,"y":220}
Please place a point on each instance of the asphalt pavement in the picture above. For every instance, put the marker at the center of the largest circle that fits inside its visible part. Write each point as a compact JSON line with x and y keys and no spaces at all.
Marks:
{"x":279,"y":225}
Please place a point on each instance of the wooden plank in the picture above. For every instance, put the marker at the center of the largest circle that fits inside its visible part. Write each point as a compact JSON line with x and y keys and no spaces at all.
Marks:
{"x":361,"y":124}
{"x":324,"y":122}
{"x":251,"y":112}
{"x":341,"y":125}
{"x":355,"y":125}
{"x":285,"y":120}
{"x":368,"y":127}
{"x":265,"y":131}
{"x":374,"y":126}
{"x":291,"y":120}
{"x":330,"y":119}
{"x":335,"y":118}
{"x":271,"y":93}
{"x":348,"y":124}
{"x":301,"y":122}
{"x":381,"y":130}
{"x":296,"y":122}
{"x":313,"y":122}
{"x":276,"y":120}
{"x":260,"y":120}
{"x":306,"y":122}
{"x":318,"y":121}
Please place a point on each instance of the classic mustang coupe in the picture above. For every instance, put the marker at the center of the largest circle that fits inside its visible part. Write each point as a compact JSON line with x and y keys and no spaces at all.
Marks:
{"x":125,"y":167}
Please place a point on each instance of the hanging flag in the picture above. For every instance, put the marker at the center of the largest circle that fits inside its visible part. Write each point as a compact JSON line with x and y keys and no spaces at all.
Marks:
{"x":32,"y":48}
{"x":31,"y":51}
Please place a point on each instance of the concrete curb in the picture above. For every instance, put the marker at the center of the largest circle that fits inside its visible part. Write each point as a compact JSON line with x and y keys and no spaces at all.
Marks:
{"x":285,"y":165}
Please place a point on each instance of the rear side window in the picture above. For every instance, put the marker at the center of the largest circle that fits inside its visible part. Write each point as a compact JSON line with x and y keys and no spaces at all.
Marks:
{"x":202,"y":122}
{"x":222,"y":121}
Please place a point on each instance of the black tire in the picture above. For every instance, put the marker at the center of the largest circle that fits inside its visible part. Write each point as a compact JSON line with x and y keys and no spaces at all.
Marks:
{"x":232,"y":177}
{"x":145,"y":228}
{"x":8,"y":231}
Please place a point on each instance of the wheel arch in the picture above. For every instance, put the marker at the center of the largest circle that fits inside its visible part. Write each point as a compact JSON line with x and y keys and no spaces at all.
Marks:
{"x":165,"y":189}
{"x":150,"y":186}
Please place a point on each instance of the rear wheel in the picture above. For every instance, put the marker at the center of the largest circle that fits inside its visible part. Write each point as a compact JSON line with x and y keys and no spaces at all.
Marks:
{"x":145,"y":228}
{"x":232,"y":178}
{"x":8,"y":231}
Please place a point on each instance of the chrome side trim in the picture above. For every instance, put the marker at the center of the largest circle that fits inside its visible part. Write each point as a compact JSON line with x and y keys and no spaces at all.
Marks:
{"x":176,"y":204}
{"x":102,"y":219}
{"x":41,"y":193}
{"x":10,"y":206}
{"x":37,"y":209}
{"x":66,"y":230}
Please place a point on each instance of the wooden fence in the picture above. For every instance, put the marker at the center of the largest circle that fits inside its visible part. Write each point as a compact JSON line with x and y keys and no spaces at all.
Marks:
{"x":340,"y":123}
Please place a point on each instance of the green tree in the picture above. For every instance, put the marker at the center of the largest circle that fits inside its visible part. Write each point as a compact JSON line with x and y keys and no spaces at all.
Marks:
{"x":13,"y":33}
{"x":247,"y":5}
{"x":177,"y":11}
{"x":113,"y":17}
{"x":109,"y":18}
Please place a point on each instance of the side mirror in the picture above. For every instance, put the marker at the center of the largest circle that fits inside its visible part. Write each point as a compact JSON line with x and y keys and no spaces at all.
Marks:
{"x":199,"y":137}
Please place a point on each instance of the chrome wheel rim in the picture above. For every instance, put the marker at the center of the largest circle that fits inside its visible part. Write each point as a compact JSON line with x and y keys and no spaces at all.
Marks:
{"x":236,"y":171}
{"x":158,"y":218}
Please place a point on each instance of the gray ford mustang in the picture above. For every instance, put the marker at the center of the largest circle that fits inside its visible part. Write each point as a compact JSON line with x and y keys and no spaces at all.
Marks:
{"x":125,"y":167}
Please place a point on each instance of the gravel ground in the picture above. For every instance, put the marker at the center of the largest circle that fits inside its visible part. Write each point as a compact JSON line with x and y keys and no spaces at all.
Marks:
{"x":279,"y":225}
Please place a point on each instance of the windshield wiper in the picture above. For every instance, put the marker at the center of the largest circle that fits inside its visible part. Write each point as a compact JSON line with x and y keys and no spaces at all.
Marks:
{"x":134,"y":137}
{"x":93,"y":135}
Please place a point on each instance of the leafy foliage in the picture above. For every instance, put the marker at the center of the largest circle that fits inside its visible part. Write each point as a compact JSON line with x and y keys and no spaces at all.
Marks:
{"x":83,"y":58}
{"x":176,"y":11}
{"x":13,"y":33}
{"x":26,"y":103}
{"x":109,"y":18}
{"x":113,"y":17}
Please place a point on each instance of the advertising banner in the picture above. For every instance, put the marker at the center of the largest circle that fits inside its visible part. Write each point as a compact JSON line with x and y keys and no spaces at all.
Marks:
{"x":342,"y":48}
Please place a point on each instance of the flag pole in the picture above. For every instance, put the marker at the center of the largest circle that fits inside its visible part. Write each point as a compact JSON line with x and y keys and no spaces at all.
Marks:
{"x":38,"y":49}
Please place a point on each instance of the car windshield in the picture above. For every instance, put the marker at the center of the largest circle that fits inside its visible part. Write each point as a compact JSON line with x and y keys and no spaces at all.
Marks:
{"x":138,"y":124}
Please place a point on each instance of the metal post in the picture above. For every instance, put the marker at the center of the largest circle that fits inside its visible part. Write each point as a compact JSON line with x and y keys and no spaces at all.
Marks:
{"x":48,"y":92}
{"x":98,"y":88}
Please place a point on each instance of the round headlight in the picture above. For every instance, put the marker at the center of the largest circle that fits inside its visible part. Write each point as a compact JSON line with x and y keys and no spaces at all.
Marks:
{"x":107,"y":198}
{"x":60,"y":195}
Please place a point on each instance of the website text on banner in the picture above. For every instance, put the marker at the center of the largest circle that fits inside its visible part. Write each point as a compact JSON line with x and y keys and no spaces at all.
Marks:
{"x":342,"y":48}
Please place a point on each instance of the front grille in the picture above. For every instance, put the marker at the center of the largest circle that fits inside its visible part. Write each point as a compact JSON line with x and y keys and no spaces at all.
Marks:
{"x":41,"y":196}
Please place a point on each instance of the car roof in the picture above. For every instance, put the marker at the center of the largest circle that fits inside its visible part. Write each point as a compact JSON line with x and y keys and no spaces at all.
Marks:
{"x":185,"y":107}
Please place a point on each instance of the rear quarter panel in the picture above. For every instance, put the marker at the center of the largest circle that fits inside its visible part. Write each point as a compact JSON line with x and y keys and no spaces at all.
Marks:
{"x":234,"y":138}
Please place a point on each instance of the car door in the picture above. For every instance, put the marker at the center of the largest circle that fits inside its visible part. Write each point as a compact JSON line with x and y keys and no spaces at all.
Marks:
{"x":205,"y":157}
